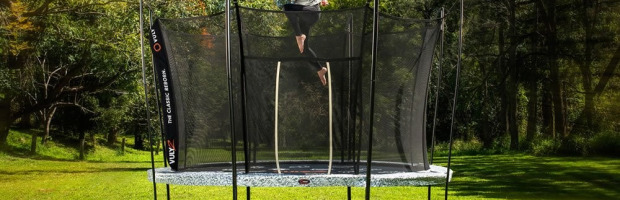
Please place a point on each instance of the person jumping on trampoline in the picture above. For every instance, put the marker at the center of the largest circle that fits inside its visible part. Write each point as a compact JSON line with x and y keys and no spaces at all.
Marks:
{"x":301,"y":23}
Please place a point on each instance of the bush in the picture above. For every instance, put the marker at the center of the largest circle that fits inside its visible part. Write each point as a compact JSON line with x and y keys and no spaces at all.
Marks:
{"x":471,"y":146}
{"x":574,"y":145}
{"x":462,"y":147}
{"x":606,"y":143}
{"x":545,"y":147}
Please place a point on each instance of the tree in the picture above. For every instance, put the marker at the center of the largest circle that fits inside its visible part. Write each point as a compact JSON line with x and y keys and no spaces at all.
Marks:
{"x":81,"y":48}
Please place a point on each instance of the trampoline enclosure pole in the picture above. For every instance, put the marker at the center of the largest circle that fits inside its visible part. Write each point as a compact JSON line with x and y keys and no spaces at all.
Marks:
{"x":159,"y":114}
{"x":233,"y":138}
{"x":246,"y":143}
{"x":375,"y":38}
{"x":456,"y":87}
{"x":146,"y":100}
{"x":437,"y":89}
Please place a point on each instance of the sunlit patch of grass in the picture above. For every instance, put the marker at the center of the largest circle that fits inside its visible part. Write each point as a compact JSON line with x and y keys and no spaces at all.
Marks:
{"x":518,"y":176}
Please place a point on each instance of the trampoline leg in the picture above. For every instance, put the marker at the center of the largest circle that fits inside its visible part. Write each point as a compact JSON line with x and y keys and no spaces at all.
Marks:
{"x":429,"y":193}
{"x":168,"y":191}
{"x":349,"y":193}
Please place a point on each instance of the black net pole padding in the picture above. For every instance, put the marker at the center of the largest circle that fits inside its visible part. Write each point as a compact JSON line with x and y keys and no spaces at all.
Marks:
{"x":146,"y":100}
{"x":159,"y":106}
{"x":437,"y":89}
{"x":244,"y":127}
{"x":437,"y":85}
{"x":162,"y":68}
{"x":456,"y":87}
{"x":231,"y":104}
{"x":159,"y":112}
{"x":375,"y":43}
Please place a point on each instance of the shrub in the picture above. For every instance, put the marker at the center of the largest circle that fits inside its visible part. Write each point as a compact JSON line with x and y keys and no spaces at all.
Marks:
{"x":462,"y":147}
{"x":544,"y":147}
{"x":472,"y":146}
{"x":606,"y":143}
{"x":574,"y":145}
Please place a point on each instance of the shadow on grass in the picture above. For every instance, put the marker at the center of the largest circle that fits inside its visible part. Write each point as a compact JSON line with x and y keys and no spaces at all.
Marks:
{"x":526,"y":177}
{"x":69,"y":171}
{"x":21,"y":152}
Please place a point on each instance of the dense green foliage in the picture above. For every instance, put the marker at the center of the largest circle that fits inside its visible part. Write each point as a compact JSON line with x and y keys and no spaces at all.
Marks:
{"x":70,"y":65}
{"x":541,"y":73}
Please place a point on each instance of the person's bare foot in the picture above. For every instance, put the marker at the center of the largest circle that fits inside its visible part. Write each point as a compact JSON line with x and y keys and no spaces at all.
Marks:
{"x":321,"y":74}
{"x":300,"y":42}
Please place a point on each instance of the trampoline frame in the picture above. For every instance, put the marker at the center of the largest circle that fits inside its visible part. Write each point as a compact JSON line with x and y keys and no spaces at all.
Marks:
{"x":435,"y":175}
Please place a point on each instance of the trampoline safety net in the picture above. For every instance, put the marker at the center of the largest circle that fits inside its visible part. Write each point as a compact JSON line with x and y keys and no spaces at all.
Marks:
{"x":191,"y":72}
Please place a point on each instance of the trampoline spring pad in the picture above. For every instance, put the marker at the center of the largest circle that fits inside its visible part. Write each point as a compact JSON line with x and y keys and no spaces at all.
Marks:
{"x":435,"y":175}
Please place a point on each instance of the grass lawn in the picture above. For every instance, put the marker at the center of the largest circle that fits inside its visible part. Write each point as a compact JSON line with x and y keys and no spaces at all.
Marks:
{"x":106,"y":174}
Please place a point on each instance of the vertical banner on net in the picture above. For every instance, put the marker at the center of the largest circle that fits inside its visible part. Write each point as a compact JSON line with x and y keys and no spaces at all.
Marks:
{"x":162,"y":73}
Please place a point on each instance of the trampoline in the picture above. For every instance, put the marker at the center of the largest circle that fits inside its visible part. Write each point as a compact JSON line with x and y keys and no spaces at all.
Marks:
{"x":241,"y":106}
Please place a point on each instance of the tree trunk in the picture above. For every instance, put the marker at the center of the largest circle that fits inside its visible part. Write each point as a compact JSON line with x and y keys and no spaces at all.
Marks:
{"x":501,"y":115}
{"x":5,"y":120}
{"x":93,"y":139}
{"x":548,"y":9}
{"x":532,"y":110}
{"x":123,"y":146}
{"x":548,"y":127}
{"x":82,"y":144}
{"x":586,"y":73}
{"x":48,"y":123}
{"x":139,"y":143}
{"x":532,"y":76}
{"x":112,"y":136}
{"x":547,"y":111}
{"x":486,"y":137}
{"x":33,"y":143}
{"x":512,"y":81}
{"x":608,"y":73}
{"x":557,"y":97}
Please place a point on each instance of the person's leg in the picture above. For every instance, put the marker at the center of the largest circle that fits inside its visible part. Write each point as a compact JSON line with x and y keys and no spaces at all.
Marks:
{"x":311,"y":54}
{"x":306,"y":21}
{"x":301,"y":23}
{"x":321,"y":73}
{"x":316,"y":64}
{"x":294,"y":19}
{"x":309,"y":18}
